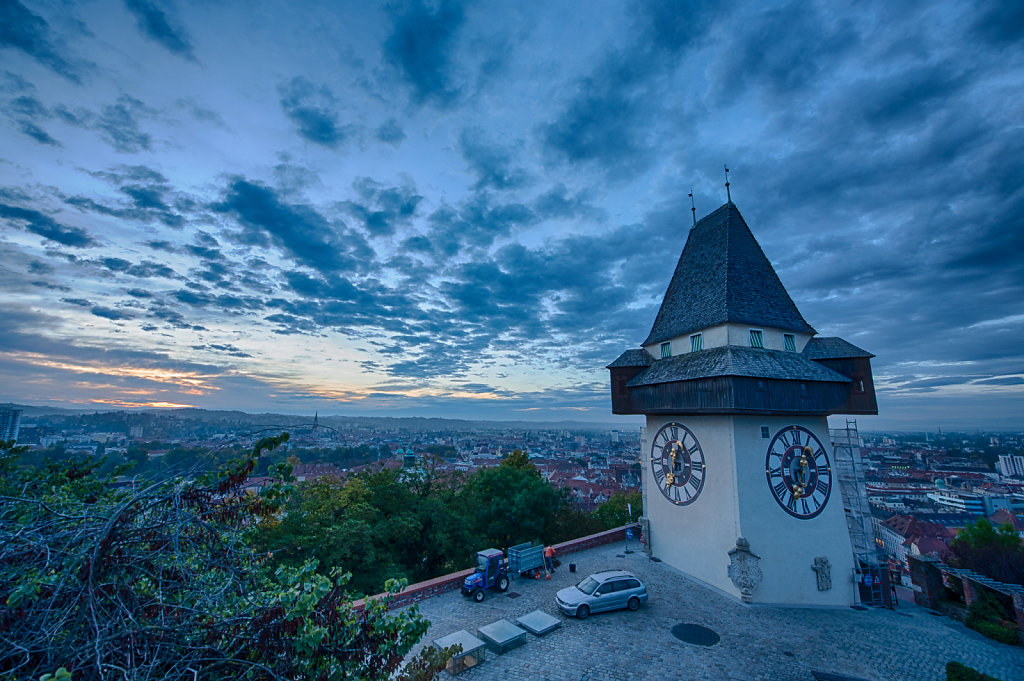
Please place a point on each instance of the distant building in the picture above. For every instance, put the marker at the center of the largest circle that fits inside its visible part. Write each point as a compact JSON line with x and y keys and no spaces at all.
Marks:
{"x":905,"y":534}
{"x":959,"y":501}
{"x":1011,"y":465}
{"x":10,"y":421}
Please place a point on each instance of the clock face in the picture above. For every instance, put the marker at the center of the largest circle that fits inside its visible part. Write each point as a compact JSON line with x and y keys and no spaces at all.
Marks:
{"x":677,"y":462}
{"x":798,"y":472}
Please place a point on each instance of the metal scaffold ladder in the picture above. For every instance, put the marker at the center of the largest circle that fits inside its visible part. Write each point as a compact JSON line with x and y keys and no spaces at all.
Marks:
{"x":850,"y":472}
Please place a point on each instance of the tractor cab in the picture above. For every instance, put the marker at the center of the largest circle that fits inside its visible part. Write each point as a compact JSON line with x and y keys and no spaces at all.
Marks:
{"x":491,"y":573}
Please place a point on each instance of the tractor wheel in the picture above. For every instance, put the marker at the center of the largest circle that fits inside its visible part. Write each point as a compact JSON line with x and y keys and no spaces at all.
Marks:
{"x":634,"y":603}
{"x":582,"y":612}
{"x":478,"y":595}
{"x":503,"y":584}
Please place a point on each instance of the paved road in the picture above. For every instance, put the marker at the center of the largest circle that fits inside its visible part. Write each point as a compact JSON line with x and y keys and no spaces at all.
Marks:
{"x":757,"y":643}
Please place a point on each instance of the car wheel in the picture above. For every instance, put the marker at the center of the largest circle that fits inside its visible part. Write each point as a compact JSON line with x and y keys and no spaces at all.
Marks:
{"x":503,"y":584}
{"x":582,"y":612}
{"x":478,"y":595}
{"x":633,"y":604}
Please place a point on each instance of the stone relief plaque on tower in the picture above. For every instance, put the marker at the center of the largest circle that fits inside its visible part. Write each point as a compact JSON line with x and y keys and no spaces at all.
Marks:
{"x":823,"y":569}
{"x":745,"y":569}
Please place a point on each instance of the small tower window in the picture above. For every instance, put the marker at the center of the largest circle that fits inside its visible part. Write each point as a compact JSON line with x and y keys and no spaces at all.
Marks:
{"x":666,"y":350}
{"x":790,"y":341}
{"x":696,"y":342}
{"x":756,"y":338}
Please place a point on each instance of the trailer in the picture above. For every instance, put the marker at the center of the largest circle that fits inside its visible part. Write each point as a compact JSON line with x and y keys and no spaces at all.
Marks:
{"x":525,"y":558}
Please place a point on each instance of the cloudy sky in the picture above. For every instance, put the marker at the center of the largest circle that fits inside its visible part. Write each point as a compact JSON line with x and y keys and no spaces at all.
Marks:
{"x":469,"y":209}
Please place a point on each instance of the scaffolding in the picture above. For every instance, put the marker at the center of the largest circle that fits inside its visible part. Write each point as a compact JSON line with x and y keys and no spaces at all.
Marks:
{"x":867,"y":560}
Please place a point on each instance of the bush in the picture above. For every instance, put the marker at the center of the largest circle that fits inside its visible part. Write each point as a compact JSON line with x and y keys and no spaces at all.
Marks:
{"x":986,"y":616}
{"x":160,"y":580}
{"x":996,"y":631}
{"x":961,"y":672}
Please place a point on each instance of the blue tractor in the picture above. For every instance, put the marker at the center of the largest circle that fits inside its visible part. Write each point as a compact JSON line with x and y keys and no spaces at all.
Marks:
{"x":491,"y":573}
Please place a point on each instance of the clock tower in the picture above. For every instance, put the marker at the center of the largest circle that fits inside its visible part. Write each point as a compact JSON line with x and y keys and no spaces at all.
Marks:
{"x":739,"y":479}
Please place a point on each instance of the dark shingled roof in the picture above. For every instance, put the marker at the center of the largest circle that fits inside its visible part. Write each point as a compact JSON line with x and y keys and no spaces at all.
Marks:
{"x":723,"y":276}
{"x":632,"y":358}
{"x":734,"y":360}
{"x":832,"y":348}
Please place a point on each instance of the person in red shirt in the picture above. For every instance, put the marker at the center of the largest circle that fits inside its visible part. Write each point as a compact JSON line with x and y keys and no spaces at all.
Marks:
{"x":549,"y":558}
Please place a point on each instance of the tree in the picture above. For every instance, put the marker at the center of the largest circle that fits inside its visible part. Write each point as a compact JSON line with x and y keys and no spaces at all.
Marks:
{"x":378,"y":525}
{"x":995,"y":552}
{"x":512,"y":502}
{"x":615,"y":512}
{"x":160,"y":581}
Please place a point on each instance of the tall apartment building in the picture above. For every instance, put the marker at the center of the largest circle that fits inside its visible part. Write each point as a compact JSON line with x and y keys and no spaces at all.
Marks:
{"x":1011,"y":465}
{"x":10,"y":421}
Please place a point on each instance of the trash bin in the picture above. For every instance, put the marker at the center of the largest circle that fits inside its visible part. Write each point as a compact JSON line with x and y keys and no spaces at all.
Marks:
{"x":572,"y":567}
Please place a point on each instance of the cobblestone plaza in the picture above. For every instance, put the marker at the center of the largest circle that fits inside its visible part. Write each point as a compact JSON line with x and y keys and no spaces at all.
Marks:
{"x":756,"y":642}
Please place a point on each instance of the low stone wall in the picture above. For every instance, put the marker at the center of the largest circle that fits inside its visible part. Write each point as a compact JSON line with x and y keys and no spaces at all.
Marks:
{"x":929,"y":575}
{"x":453,"y":581}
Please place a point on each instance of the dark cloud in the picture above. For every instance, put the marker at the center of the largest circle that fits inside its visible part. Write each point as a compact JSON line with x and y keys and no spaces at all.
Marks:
{"x":139,"y":293}
{"x":80,"y":302}
{"x":28,"y":113}
{"x":46,"y":227}
{"x":297,"y":229}
{"x":39,"y":267}
{"x":390,"y":132}
{"x":160,"y":245}
{"x":23,"y":30}
{"x":1004,"y":380}
{"x":226,"y":348}
{"x":118,"y":125}
{"x":603,"y":122}
{"x":313,"y":111}
{"x":111,"y":313}
{"x":420,"y":47}
{"x":782,"y":52}
{"x":493,"y":165}
{"x":204,"y":252}
{"x":1001,"y":23}
{"x":37,"y":133}
{"x":557,"y":203}
{"x":668,"y":28}
{"x":155,"y":23}
{"x":381,"y":208}
{"x":145,"y":269}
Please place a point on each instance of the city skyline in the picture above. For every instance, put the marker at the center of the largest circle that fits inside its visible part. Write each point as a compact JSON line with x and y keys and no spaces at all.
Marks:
{"x":445,"y":209}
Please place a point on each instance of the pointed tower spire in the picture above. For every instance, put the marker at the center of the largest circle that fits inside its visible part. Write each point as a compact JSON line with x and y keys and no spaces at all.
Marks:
{"x":728,"y":195}
{"x":693,"y":208}
{"x":724,"y":277}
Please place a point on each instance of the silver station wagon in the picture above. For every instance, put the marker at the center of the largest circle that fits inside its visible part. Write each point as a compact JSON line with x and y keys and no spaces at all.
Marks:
{"x":608,"y":590}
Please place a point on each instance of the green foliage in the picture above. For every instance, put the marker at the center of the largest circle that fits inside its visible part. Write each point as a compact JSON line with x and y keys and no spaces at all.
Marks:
{"x":994,"y":552}
{"x":615,"y":512}
{"x":512,"y":503}
{"x":389,"y":523}
{"x":62,"y":674}
{"x":518,"y":459}
{"x":161,"y":580}
{"x":986,"y":616}
{"x":956,"y":671}
{"x":377,"y":525}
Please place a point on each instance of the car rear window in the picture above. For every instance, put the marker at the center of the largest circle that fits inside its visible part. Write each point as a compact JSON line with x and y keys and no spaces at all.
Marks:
{"x":629,"y":584}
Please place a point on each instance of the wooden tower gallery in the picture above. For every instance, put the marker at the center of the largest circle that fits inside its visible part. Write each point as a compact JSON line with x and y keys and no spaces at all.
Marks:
{"x":739,"y":480}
